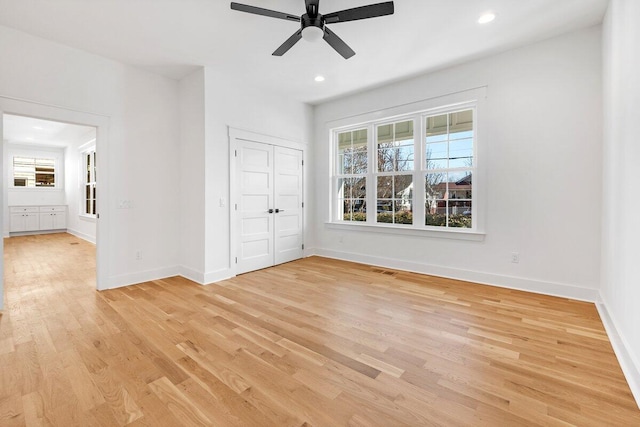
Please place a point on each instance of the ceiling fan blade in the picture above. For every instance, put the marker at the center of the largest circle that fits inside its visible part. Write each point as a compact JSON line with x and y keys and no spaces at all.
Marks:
{"x":363,"y":12}
{"x":312,"y":7}
{"x":284,"y":47}
{"x":336,"y":42}
{"x":265,"y":12}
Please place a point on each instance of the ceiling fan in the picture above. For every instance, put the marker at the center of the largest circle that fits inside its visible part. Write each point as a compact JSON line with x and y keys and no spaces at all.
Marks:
{"x":313,"y":23}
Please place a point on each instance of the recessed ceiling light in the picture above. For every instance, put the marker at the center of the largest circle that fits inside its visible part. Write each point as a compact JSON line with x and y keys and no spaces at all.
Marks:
{"x":38,"y":128}
{"x":29,"y":138}
{"x":487,"y":17}
{"x":319,"y":78}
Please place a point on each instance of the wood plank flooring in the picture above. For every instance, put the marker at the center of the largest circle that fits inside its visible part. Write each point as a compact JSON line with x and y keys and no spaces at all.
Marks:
{"x":313,"y":342}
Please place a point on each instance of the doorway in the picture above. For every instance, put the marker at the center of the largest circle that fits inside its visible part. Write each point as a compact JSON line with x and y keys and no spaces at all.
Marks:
{"x":269,"y":204}
{"x":54,"y":116}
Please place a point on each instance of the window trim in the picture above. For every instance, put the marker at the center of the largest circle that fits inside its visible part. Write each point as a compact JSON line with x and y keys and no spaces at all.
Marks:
{"x":418,"y":111}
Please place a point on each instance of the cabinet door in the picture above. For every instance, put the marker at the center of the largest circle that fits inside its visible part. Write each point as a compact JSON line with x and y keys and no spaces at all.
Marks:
{"x":59,"y":220}
{"x":31,"y":222}
{"x":46,"y":221}
{"x":17,"y":222}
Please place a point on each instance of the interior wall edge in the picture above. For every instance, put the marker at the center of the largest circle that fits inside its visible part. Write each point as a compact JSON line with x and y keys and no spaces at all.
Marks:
{"x":628,"y":361}
{"x":510,"y":282}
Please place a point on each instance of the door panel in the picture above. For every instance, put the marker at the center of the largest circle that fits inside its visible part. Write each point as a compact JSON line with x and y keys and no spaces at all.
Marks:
{"x":255,"y":178}
{"x":288,"y":199}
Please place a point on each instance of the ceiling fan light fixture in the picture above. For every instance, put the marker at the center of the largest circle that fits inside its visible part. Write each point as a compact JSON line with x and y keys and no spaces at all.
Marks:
{"x":312,"y":34}
{"x":486,"y":17}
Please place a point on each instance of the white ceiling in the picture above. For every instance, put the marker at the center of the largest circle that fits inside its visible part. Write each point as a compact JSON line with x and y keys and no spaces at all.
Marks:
{"x":173,"y":37}
{"x":30,"y":131}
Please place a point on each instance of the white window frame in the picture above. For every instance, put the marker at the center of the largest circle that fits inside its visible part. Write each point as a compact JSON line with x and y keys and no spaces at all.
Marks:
{"x":90,"y":151}
{"x":474,"y":101}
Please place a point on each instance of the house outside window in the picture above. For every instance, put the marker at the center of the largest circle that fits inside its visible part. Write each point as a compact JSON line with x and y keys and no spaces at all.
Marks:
{"x":33,"y":172}
{"x":415,"y":170}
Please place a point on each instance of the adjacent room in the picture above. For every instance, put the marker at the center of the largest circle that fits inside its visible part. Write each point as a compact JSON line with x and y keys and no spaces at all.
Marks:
{"x":321,"y":213}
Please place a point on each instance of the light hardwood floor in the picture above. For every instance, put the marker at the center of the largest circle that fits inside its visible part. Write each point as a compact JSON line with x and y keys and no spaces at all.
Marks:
{"x":313,"y":342}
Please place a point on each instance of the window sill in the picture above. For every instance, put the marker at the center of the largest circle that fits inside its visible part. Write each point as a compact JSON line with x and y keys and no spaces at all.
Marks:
{"x":456,"y":234}
{"x":91,"y":218}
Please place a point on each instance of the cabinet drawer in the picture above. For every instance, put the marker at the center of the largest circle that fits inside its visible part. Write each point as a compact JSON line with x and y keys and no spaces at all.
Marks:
{"x":23,"y":209}
{"x":53,"y":208}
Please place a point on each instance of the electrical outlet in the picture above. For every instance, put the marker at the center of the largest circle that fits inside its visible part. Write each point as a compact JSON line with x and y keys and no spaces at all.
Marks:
{"x":138,"y":255}
{"x":340,"y":239}
{"x":515,"y":257}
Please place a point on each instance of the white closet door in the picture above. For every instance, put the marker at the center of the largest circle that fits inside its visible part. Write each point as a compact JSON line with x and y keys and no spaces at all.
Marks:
{"x":255,"y":223}
{"x":288,"y":204}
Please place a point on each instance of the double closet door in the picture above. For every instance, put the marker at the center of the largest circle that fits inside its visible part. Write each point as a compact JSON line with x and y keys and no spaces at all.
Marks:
{"x":270,"y":205}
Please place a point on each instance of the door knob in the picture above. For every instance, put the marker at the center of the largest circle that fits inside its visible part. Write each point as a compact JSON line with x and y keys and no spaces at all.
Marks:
{"x":279,"y":210}
{"x":270,"y":210}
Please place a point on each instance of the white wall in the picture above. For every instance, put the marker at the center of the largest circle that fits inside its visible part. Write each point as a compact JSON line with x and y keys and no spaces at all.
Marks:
{"x":192,"y":183}
{"x":620,"y":207}
{"x":78,"y":224}
{"x":542,"y":165}
{"x":232,"y":102}
{"x":142,"y":140}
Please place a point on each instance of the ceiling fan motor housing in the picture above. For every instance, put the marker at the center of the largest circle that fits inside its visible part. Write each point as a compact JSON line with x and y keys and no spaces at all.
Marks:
{"x":308,"y":21}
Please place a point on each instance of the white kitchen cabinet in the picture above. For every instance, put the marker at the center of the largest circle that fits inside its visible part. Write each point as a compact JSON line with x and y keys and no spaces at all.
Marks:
{"x":37,"y":218}
{"x":24,"y":218}
{"x":53,"y":217}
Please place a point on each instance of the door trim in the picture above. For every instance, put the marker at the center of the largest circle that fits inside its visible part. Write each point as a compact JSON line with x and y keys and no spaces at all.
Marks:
{"x":236,"y":135}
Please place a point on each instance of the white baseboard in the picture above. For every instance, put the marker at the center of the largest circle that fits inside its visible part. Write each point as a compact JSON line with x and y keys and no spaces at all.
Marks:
{"x":205,"y":278}
{"x":628,"y":361}
{"x":193,"y":275}
{"x":141,"y":277}
{"x":83,"y":236}
{"x":217,"y":276}
{"x":510,"y":282}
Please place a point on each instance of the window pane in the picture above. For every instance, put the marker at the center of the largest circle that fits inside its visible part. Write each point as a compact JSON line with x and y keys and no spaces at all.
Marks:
{"x":385,"y":187}
{"x":460,"y":213}
{"x":352,"y":152}
{"x":386,"y":159}
{"x":358,"y":188}
{"x":437,"y":155}
{"x":461,"y":153}
{"x":404,"y":133}
{"x":404,"y":158}
{"x":346,"y":163}
{"x":436,"y":213}
{"x":359,"y":160}
{"x":344,"y":142}
{"x":437,"y":129}
{"x":403,"y":213}
{"x":384,"y":213}
{"x":435,"y":203}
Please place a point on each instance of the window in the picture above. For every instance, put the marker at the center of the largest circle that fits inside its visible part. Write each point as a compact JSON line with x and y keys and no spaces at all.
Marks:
{"x":89,"y":193}
{"x":394,"y":179}
{"x":34,"y":172}
{"x":416,"y":170}
{"x":352,"y":169}
{"x":449,"y":165}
